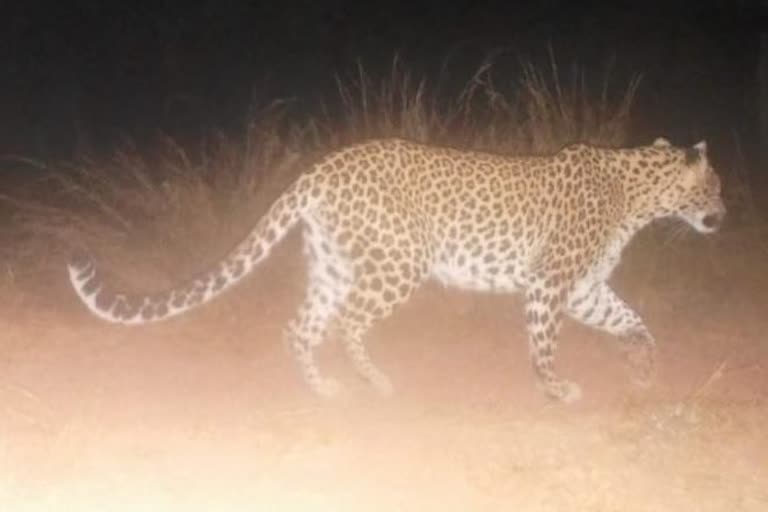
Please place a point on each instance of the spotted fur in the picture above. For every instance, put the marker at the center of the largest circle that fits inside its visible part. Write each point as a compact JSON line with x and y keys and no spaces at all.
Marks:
{"x":381,"y":217}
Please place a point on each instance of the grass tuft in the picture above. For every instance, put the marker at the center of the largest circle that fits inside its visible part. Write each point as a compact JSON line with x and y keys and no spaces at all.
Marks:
{"x":144,"y":207}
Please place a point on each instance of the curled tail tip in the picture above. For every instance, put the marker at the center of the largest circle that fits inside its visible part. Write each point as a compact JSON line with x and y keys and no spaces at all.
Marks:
{"x":80,"y":262}
{"x":79,"y":259}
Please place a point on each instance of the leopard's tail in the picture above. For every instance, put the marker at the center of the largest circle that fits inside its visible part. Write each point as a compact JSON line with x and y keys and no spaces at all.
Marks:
{"x":124,"y":308}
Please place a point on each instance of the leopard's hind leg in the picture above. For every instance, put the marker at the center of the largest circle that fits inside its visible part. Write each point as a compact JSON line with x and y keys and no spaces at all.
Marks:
{"x":328,"y":285}
{"x":372,"y":298}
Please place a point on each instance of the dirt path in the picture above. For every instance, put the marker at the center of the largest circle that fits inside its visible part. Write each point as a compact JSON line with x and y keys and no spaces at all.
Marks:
{"x":206,"y":412}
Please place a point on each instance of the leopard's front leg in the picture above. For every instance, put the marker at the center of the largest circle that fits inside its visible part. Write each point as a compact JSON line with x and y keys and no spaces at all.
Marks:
{"x":596,"y":305}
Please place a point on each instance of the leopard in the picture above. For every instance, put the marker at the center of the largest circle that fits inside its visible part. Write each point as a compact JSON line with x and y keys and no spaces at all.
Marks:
{"x":381,"y":217}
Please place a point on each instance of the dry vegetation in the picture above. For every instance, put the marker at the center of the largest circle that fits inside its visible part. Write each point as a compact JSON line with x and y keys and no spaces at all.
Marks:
{"x":167,"y":200}
{"x":154,"y":216}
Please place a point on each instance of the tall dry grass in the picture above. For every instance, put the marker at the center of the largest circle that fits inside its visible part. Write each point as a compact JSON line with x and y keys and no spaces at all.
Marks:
{"x":141,"y":208}
{"x":539,"y":110}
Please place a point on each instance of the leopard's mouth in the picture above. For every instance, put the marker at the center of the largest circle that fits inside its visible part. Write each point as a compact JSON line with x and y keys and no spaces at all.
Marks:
{"x":706,"y":222}
{"x":712,"y":221}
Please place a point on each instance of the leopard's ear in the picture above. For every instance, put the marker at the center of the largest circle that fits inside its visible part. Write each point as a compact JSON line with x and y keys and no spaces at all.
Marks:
{"x":696,"y":154}
{"x":661,"y":142}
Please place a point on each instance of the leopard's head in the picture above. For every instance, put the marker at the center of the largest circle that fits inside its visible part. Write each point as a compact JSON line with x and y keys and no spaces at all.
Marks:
{"x":695,"y":193}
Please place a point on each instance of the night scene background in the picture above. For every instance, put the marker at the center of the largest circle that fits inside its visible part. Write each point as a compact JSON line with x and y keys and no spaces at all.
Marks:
{"x":104,"y":70}
{"x":155,"y":134}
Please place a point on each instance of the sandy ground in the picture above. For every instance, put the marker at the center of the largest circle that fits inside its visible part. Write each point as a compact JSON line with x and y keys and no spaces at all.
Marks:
{"x":207,"y":412}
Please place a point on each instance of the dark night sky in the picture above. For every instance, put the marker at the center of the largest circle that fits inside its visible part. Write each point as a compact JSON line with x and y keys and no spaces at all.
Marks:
{"x":108,"y":68}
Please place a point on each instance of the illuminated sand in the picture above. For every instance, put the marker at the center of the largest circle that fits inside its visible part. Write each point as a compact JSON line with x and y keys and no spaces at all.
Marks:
{"x":206,"y":412}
